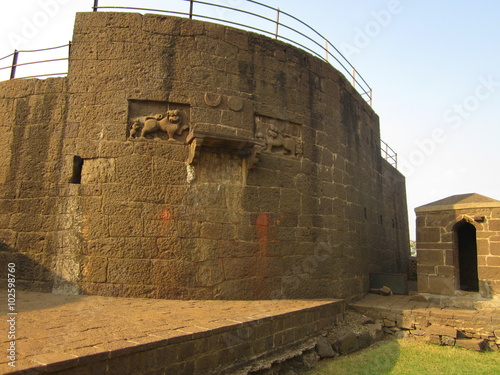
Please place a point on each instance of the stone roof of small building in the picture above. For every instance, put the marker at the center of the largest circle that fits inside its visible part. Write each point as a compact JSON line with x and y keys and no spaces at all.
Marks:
{"x":460,"y":201}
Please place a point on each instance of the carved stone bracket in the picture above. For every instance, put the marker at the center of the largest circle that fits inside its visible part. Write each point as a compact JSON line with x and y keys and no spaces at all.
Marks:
{"x":194,"y":148}
{"x":249,"y":149}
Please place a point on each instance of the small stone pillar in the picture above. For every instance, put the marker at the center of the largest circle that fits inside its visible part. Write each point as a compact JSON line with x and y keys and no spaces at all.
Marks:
{"x":458,"y":246}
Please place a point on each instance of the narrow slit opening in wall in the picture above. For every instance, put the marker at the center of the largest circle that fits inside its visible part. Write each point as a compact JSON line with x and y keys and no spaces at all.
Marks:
{"x":76,"y":177}
{"x":366,"y":213}
{"x":381,"y":219}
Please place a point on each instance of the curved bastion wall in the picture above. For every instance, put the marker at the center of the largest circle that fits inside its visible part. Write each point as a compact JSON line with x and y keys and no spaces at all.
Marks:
{"x":185,"y":159}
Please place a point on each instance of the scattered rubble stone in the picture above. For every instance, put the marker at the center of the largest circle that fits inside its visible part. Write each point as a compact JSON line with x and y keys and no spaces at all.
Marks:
{"x":365,"y":339}
{"x":346,"y":343}
{"x":324,"y":348}
{"x":446,"y":340}
{"x":310,"y":359}
{"x":440,"y":330}
{"x":472,"y":344}
{"x":389,"y":323}
{"x":434,"y":339}
{"x":490,"y":346}
{"x":418,"y":332}
{"x":420,"y":321}
{"x":364,"y":320}
{"x":376,"y":331}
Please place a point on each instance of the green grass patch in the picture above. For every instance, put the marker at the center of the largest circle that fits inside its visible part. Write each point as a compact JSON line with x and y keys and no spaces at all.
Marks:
{"x":405,"y":357}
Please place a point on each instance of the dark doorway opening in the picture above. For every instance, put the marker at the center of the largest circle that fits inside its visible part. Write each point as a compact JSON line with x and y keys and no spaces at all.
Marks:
{"x":467,"y":257}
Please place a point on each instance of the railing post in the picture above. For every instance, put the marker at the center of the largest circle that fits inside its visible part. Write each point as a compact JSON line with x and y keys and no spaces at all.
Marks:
{"x":96,"y":5}
{"x":191,"y":3}
{"x":354,"y":77}
{"x":14,"y":65}
{"x":371,"y":97}
{"x":326,"y":49}
{"x":69,"y":54}
{"x":277,"y":22}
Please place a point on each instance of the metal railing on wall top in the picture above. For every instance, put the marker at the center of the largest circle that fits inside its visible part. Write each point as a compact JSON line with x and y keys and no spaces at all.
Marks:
{"x":15,"y":61}
{"x":389,"y":154}
{"x":310,"y":40}
{"x":357,"y":80}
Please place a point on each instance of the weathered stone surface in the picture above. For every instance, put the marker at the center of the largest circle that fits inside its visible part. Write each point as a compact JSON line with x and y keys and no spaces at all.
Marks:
{"x":310,"y":359}
{"x":434,"y":339}
{"x":440,"y":330}
{"x":324,"y":348}
{"x":365,"y":339}
{"x":95,"y":170}
{"x":376,"y":331}
{"x":389,"y":323}
{"x":346,"y":342}
{"x":449,"y":341}
{"x":364,"y":320}
{"x":472,"y":344}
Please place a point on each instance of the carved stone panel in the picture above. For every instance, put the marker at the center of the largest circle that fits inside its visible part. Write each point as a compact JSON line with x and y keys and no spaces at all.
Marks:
{"x":280,"y":136}
{"x":152,"y":120}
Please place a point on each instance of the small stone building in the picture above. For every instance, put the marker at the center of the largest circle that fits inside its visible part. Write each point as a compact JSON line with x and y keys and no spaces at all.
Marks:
{"x":458,"y":244}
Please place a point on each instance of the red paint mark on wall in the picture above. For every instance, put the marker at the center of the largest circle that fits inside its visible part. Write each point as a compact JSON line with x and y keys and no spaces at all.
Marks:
{"x":166,"y":216}
{"x":261,"y":263}
{"x":262,"y":223}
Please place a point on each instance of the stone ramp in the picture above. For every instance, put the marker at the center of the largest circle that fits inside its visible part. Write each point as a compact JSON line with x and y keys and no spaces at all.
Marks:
{"x":107,"y":335}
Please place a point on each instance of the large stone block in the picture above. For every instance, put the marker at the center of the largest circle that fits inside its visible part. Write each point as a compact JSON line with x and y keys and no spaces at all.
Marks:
{"x":428,"y":235}
{"x":130,"y":271}
{"x":94,"y":269}
{"x":345,"y":342}
{"x":441,"y":285}
{"x":471,"y":344}
{"x":494,"y":225}
{"x":134,"y":170}
{"x":210,"y":273}
{"x":440,"y":330}
{"x":166,"y":172}
{"x":427,"y":257}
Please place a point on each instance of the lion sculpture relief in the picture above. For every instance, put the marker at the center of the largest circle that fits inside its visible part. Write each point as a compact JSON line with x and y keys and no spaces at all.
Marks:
{"x":170,"y":123}
{"x":274,"y":139}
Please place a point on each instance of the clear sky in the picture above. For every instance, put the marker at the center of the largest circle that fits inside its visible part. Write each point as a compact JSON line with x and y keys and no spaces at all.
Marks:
{"x":434,"y":67}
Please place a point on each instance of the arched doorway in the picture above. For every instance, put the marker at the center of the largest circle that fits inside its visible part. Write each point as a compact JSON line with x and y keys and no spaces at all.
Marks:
{"x":467,"y":256}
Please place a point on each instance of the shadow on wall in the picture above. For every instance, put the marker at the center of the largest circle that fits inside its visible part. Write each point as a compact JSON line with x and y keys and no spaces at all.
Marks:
{"x":30,"y":274}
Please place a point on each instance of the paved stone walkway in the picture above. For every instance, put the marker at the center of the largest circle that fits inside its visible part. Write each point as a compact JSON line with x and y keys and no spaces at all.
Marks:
{"x":53,"y":328}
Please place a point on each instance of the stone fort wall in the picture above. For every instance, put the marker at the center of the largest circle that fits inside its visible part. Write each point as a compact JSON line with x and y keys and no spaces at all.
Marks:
{"x":184,"y":159}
